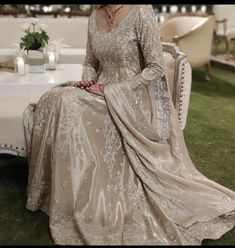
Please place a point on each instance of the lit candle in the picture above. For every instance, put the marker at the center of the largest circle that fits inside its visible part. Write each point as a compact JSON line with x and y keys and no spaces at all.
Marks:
{"x":20,"y":66}
{"x":164,"y":9}
{"x":51,"y":61}
{"x":183,"y":9}
{"x":173,"y":9}
{"x":193,"y":8}
{"x":162,"y":18}
{"x":203,"y":8}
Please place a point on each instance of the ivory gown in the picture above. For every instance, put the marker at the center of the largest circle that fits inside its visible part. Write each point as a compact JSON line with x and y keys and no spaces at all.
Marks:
{"x":115,"y":169}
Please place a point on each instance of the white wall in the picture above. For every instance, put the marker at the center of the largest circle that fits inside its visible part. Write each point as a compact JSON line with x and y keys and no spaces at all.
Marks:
{"x":226,"y":11}
{"x":72,"y":30}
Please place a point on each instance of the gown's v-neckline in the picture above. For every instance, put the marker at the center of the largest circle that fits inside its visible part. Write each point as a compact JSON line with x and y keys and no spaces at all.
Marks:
{"x":118,"y":26}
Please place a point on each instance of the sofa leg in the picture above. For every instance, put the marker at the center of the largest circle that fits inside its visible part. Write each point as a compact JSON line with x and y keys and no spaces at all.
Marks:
{"x":208,"y":71}
{"x":227,"y":49}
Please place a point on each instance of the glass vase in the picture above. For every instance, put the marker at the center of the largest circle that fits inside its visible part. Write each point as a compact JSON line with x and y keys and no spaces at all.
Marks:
{"x":50,"y":57}
{"x":19,"y":63}
{"x":36,"y":60}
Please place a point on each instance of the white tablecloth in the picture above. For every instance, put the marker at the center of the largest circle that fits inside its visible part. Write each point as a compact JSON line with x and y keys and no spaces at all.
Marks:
{"x":16,"y":92}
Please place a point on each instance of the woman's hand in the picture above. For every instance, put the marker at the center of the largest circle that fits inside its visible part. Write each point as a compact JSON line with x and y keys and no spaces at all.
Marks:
{"x":97,"y":89}
{"x":84,"y":84}
{"x":91,"y":87}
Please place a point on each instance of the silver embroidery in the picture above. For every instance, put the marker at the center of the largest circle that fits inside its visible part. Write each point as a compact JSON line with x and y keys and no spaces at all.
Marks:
{"x":85,"y":147}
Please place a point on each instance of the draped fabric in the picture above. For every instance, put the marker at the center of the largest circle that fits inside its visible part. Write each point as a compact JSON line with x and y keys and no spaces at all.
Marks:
{"x":115,"y":169}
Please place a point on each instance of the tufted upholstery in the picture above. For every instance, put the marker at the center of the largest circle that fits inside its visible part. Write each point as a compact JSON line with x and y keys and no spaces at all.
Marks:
{"x":13,"y":102}
{"x":179,"y":79}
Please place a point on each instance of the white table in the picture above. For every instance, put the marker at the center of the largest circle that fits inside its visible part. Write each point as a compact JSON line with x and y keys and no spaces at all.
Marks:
{"x":16,"y":92}
{"x":39,"y":82}
{"x":68,"y":55}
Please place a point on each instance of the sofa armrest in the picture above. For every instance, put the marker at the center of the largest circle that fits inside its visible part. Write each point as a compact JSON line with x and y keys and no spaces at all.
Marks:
{"x":197,"y":43}
{"x":180,"y":80}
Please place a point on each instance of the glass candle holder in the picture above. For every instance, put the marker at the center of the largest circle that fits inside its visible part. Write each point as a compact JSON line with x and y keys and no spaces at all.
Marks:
{"x":50,"y":55}
{"x":19,"y":63}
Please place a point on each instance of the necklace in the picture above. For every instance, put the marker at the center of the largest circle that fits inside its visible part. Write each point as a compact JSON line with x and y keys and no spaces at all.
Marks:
{"x":110,"y":13}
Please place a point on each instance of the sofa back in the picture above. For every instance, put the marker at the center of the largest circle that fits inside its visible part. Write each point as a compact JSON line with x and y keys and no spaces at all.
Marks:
{"x":179,"y":25}
{"x":72,"y":30}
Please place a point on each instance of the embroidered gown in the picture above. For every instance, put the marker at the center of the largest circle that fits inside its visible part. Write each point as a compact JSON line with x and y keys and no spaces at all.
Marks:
{"x":115,"y":169}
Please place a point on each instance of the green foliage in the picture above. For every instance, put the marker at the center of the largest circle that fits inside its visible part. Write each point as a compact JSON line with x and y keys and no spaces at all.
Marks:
{"x":34,"y":40}
{"x":210,"y":131}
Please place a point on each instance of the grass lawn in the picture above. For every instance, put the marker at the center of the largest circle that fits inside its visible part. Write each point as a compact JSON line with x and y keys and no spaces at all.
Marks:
{"x":210,"y":137}
{"x":210,"y":131}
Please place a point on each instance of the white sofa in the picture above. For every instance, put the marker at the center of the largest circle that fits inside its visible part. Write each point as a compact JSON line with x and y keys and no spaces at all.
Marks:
{"x":193,"y":35}
{"x":13,"y":103}
{"x":72,"y":30}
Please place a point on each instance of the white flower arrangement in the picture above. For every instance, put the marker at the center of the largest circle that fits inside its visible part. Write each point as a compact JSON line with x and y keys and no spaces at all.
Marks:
{"x":35,"y":35}
{"x":25,"y":26}
{"x":34,"y":21}
{"x":43,"y":27}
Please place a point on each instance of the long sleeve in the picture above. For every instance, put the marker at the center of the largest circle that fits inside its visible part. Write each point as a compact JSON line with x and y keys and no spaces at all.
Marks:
{"x":121,"y":97}
{"x":91,"y":64}
{"x":151,"y":48}
{"x":150,"y":44}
